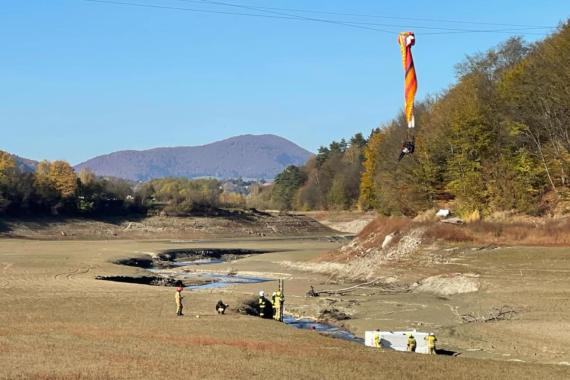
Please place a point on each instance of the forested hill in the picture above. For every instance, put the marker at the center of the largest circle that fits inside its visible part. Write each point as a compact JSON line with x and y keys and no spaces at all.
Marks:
{"x":25,"y":164}
{"x":247,"y":156}
{"x":497,"y":140}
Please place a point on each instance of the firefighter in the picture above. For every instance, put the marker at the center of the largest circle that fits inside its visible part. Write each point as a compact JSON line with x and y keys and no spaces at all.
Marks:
{"x":179,"y":297}
{"x":431,"y":339}
{"x":377,"y":339}
{"x":411,"y":343}
{"x":221,"y":307}
{"x":262,"y":304}
{"x":277,"y":299}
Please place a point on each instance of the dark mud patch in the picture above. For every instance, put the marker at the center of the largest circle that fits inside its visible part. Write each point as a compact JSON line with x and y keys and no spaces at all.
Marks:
{"x":152,"y":280}
{"x":189,"y":256}
{"x":173,"y":258}
{"x":333,"y":314}
{"x":139,"y":262}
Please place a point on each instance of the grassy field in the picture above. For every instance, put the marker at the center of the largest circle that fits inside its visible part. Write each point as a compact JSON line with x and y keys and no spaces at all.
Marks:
{"x":58,"y":322}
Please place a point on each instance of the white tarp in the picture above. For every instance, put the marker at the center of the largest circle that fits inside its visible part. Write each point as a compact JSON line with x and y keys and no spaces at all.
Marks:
{"x":397,"y":340}
{"x":443,"y":213}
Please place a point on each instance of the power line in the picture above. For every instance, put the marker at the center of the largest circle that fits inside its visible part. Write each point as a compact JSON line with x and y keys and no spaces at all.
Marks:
{"x":457,"y":30}
{"x":398,"y":17}
{"x":261,"y":9}
{"x":260,"y":15}
{"x":268,"y":12}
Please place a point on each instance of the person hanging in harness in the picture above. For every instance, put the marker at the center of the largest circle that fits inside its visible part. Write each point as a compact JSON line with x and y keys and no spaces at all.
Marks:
{"x":408,"y":147}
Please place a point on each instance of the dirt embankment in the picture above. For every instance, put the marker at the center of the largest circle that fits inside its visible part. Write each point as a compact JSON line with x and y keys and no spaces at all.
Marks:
{"x":351,"y":222}
{"x":230,"y":224}
{"x":480,"y":298}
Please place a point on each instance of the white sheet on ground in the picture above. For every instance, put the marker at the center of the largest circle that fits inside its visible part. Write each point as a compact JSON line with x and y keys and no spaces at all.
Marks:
{"x":397,"y":340}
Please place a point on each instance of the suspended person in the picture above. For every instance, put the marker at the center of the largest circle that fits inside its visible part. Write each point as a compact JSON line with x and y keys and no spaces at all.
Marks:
{"x":179,"y":297}
{"x":221,"y":307}
{"x":406,"y":40}
{"x":431,"y":339}
{"x":408,"y":147}
{"x":412,"y":343}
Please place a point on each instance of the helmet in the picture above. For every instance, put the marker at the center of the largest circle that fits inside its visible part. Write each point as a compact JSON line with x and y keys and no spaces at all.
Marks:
{"x":179,"y":289}
{"x":261,"y":293}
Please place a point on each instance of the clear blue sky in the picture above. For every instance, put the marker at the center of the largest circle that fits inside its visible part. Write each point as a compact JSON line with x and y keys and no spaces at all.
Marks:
{"x":79,"y":78}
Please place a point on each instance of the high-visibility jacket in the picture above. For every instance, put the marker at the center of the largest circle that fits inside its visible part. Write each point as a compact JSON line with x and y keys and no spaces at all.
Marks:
{"x":179,"y":298}
{"x":411,"y":341}
{"x":277,"y":299}
{"x":377,"y":340}
{"x":431,"y":339}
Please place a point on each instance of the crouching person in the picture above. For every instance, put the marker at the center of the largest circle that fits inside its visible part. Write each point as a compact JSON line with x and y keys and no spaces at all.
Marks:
{"x":221,"y":307}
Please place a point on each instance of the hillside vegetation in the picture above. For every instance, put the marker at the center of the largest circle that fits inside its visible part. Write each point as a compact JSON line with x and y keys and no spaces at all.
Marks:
{"x":499,"y":139}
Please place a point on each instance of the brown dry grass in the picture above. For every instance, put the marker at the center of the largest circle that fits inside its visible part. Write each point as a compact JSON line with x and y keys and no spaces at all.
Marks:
{"x":60,"y":323}
{"x":554,"y":232}
{"x":384,"y":226}
{"x":549,"y":233}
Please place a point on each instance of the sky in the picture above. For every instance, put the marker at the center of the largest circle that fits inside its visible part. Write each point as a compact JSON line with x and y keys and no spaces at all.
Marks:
{"x":82,"y":78}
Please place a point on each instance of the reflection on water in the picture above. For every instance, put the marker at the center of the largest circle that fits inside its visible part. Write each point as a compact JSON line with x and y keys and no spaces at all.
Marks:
{"x":209,"y":280}
{"x":323,"y":328}
{"x":221,"y":280}
{"x":197,"y":262}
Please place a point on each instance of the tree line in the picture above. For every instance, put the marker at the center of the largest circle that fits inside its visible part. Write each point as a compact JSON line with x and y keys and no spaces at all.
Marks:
{"x":499,"y":139}
{"x":54,"y":188}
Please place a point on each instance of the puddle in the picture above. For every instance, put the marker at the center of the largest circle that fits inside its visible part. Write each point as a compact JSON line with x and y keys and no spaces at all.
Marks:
{"x":322,"y":328}
{"x":196,"y":262}
{"x":222,"y":280}
{"x":207,"y":280}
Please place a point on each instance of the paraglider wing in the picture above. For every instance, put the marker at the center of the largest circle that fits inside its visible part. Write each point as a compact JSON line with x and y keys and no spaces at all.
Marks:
{"x":406,"y":41}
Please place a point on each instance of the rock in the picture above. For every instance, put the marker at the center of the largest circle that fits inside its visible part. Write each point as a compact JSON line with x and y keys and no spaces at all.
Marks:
{"x":450,"y":284}
{"x":387,"y":240}
{"x":453,"y":221}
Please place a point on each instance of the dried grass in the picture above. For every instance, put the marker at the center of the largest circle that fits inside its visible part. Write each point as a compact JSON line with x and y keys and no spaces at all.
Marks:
{"x":554,"y":232}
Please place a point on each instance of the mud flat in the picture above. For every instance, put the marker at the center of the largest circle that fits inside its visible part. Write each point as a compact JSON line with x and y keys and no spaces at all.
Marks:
{"x":173,"y":267}
{"x":58,"y":321}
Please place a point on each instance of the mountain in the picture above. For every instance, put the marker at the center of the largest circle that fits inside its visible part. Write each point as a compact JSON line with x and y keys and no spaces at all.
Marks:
{"x":247,"y":156}
{"x":25,"y":165}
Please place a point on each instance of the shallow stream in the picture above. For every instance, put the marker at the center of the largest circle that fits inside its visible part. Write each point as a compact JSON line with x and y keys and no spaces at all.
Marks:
{"x":223,"y":280}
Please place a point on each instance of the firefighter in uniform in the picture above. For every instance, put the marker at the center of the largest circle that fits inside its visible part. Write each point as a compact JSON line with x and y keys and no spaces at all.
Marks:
{"x":411,"y":343}
{"x":262,"y":304}
{"x":431,"y":339}
{"x":179,"y":298}
{"x":377,"y":339}
{"x":278,"y":300}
